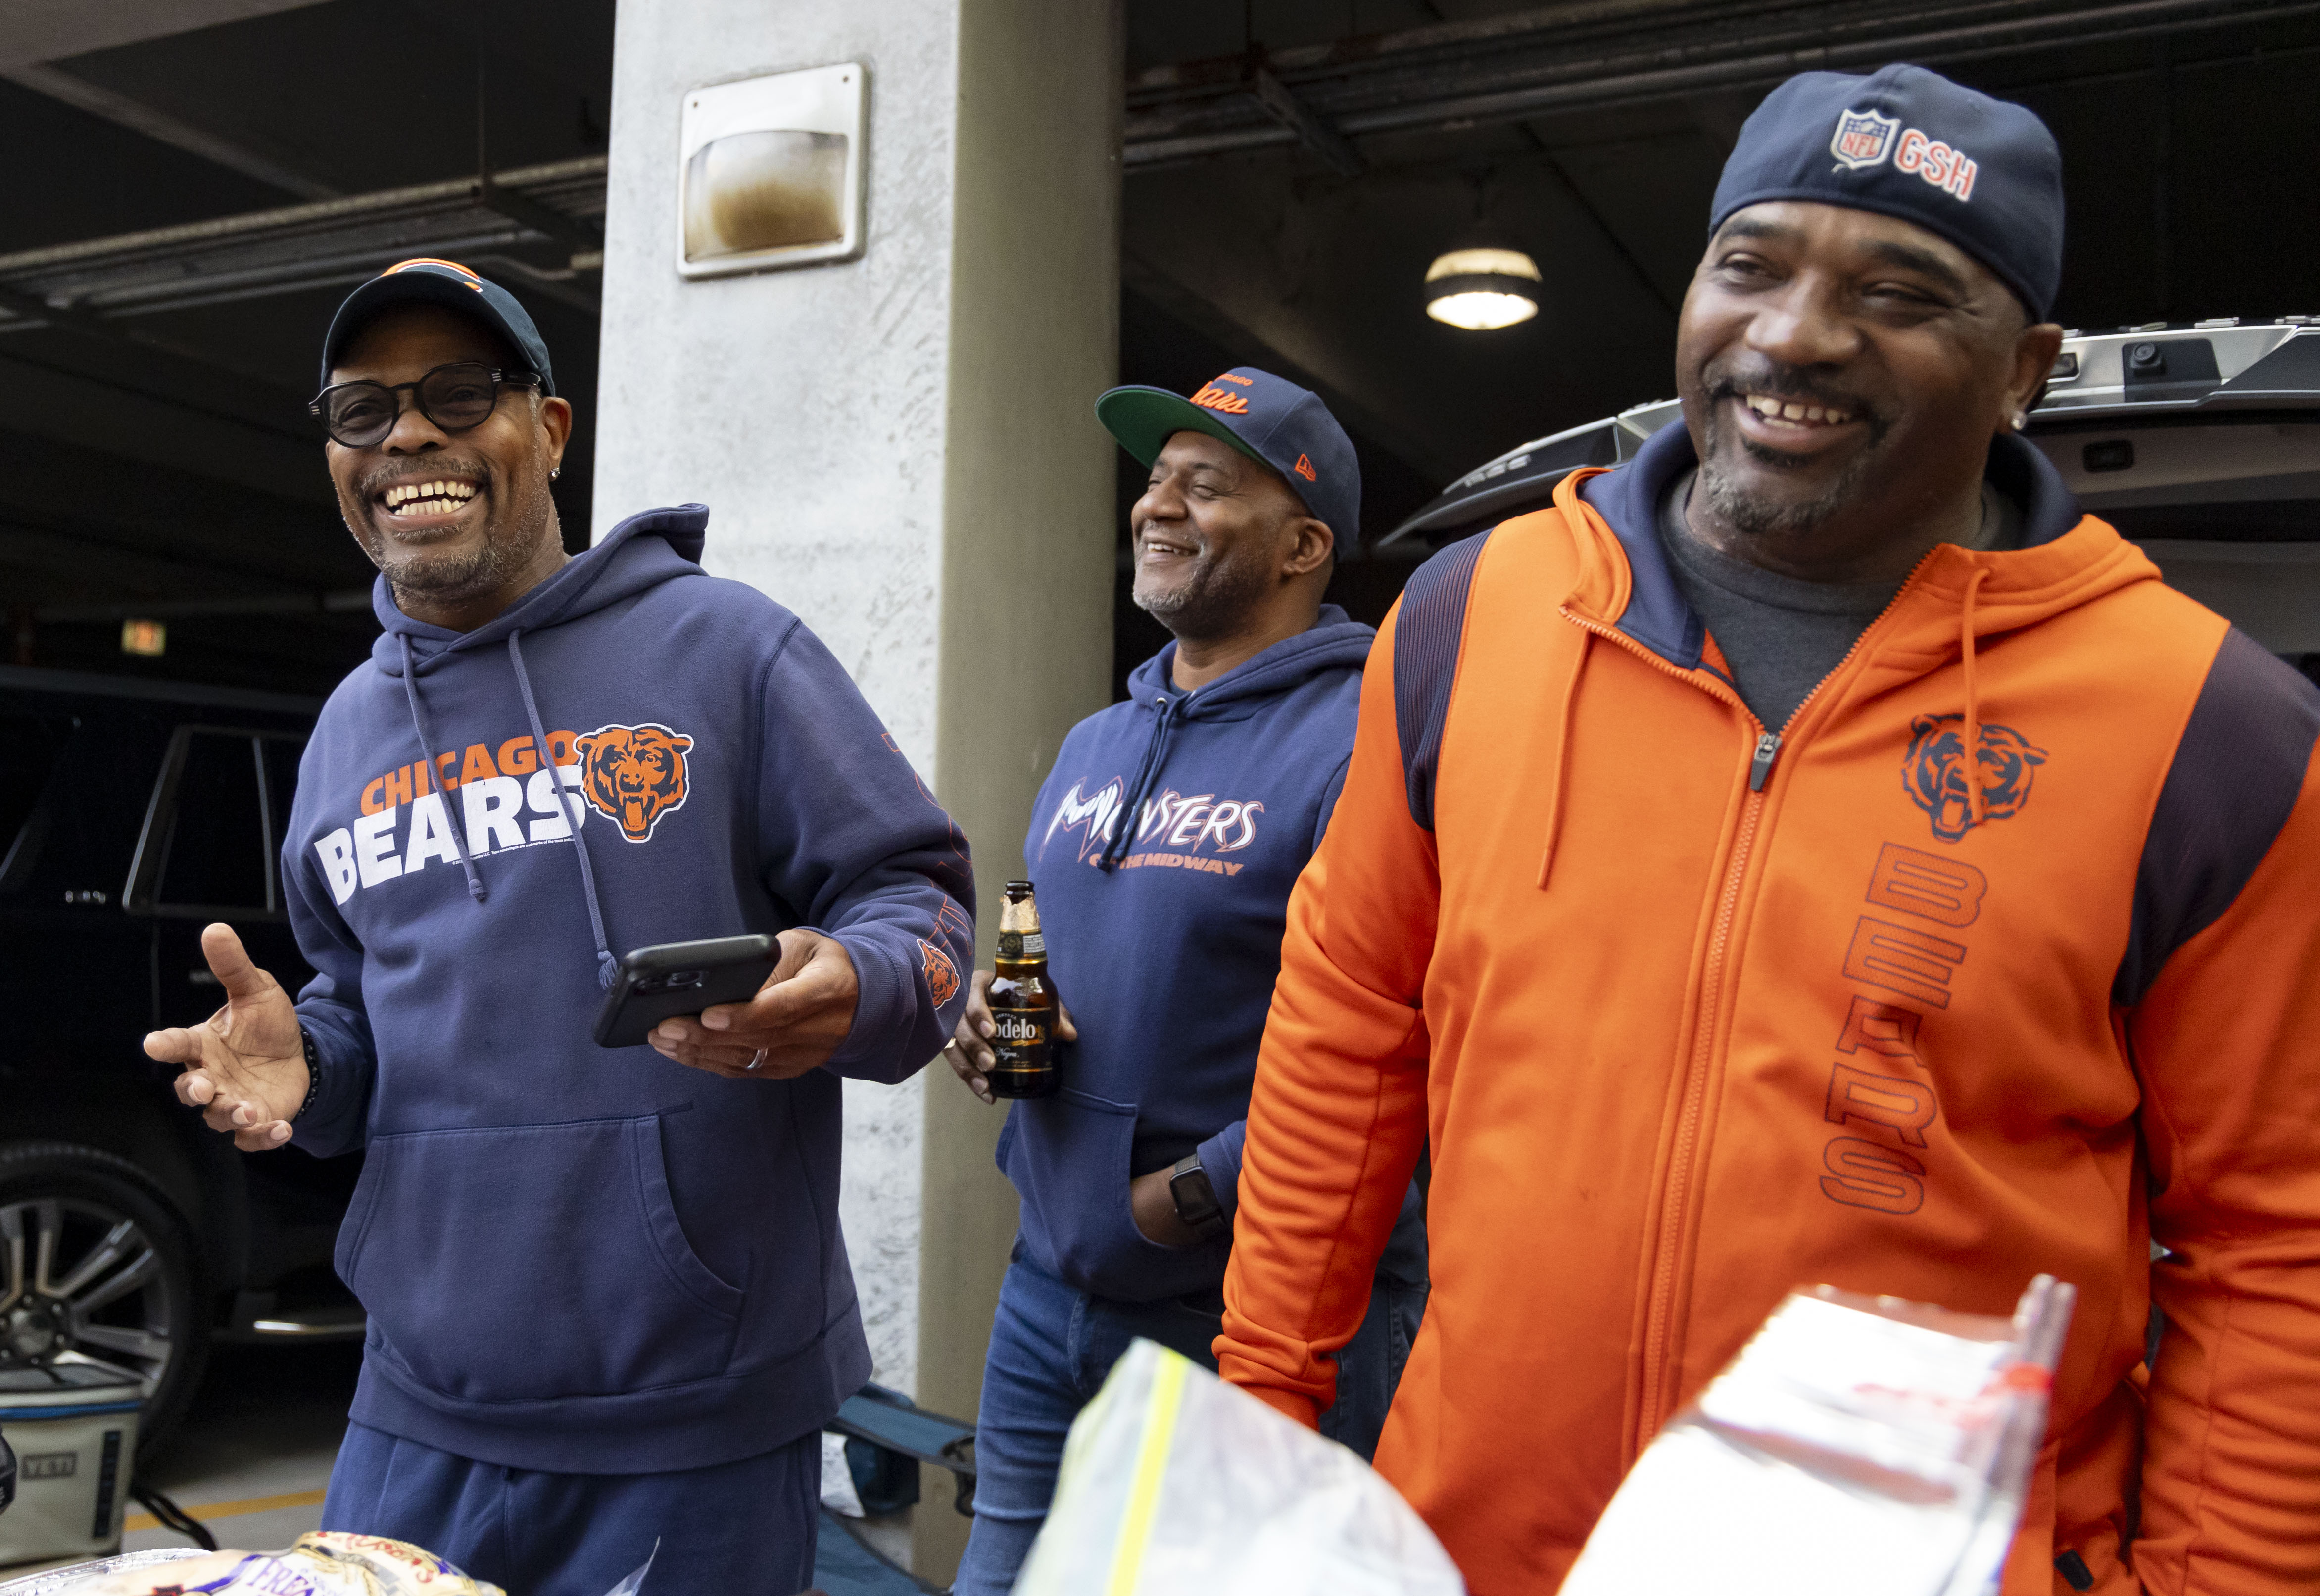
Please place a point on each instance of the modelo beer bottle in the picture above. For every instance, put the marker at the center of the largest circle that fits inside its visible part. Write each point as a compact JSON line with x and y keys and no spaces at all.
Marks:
{"x":1023,"y":1005}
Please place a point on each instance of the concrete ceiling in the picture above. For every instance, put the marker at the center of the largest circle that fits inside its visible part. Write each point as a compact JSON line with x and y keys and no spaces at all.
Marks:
{"x":170,"y":460}
{"x":166,"y":456}
{"x":52,"y":29}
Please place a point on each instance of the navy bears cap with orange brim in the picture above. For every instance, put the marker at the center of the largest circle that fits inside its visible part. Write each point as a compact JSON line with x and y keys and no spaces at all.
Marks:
{"x":445,"y":282}
{"x":1271,"y":420}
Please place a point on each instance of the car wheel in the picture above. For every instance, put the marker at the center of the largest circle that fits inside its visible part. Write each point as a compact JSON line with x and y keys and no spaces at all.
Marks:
{"x":98,"y":1269}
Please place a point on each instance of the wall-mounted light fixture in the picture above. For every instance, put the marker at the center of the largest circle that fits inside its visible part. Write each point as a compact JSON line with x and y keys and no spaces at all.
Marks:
{"x":1483,"y":289}
{"x":772,"y":171}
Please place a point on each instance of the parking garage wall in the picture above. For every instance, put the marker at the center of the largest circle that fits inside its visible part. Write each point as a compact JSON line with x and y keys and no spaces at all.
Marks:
{"x":900,"y":449}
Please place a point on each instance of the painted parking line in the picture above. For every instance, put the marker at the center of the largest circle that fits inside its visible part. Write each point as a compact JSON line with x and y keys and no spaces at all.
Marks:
{"x":229,"y":1509}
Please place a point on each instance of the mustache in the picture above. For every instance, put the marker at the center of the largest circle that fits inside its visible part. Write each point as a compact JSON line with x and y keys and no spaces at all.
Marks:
{"x":393,"y":473}
{"x":1787,"y":383}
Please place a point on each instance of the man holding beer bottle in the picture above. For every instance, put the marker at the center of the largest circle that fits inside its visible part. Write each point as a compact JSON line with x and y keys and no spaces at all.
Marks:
{"x":1165,"y":844}
{"x":1022,"y":1005}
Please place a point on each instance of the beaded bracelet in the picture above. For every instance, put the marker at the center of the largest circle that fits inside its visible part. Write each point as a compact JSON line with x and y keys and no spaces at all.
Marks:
{"x":313,"y":1074}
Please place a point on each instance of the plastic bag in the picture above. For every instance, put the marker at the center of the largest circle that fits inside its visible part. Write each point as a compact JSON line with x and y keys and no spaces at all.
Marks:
{"x":62,"y":1581}
{"x":636,"y":1582}
{"x":1173,"y":1481}
{"x":326,"y":1562}
{"x":1856,"y":1447}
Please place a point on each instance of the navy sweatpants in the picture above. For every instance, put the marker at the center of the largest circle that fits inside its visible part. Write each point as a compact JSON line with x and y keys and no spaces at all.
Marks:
{"x":743,"y":1528}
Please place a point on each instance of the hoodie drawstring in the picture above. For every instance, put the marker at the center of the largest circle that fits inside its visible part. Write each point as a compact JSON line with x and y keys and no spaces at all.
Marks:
{"x":607,"y":967}
{"x":475,"y":889}
{"x":1977,"y":802}
{"x":1555,"y":782}
{"x":1155,"y":751}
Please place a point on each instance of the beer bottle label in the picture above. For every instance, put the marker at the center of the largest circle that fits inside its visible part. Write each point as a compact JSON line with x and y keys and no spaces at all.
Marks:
{"x":1022,"y":944}
{"x":1020,"y":1029}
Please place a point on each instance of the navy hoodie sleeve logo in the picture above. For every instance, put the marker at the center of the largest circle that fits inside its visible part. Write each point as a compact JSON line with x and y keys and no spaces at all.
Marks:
{"x":635,"y":774}
{"x":942,"y":975}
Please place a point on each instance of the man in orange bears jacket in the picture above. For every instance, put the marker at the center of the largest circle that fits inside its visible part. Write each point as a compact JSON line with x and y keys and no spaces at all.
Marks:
{"x":1816,"y":851}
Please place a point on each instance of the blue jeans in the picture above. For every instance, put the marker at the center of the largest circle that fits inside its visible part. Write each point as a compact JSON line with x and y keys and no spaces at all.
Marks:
{"x":748,"y":1528}
{"x":1051,"y":1347}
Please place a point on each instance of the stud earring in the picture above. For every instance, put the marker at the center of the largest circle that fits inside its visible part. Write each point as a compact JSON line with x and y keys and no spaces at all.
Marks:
{"x":2021,"y":419}
{"x":556,"y":470}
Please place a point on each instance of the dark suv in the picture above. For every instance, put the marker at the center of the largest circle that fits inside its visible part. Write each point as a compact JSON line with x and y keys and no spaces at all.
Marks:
{"x":133,"y":812}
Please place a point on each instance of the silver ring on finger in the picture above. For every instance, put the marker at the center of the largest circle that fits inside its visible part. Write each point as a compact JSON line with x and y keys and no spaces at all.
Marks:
{"x":755,"y":1059}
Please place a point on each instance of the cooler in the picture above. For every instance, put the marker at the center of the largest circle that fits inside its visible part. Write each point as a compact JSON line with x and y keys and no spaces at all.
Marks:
{"x":75,"y":1433}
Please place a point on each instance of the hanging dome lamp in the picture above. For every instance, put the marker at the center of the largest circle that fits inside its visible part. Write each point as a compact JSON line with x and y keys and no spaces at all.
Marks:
{"x":1483,"y":289}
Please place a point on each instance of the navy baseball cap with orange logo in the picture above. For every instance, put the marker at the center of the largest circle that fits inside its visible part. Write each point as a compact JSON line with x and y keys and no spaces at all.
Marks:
{"x":444,"y":282}
{"x":1903,"y":141}
{"x":1270,"y":421}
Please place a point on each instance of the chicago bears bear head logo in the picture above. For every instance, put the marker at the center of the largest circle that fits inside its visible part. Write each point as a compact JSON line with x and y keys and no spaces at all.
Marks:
{"x":634,"y":774}
{"x":942,"y":975}
{"x":1933,"y":772}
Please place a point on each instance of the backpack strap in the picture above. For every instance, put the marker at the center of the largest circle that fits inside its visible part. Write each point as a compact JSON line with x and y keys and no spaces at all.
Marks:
{"x":1427,"y":633}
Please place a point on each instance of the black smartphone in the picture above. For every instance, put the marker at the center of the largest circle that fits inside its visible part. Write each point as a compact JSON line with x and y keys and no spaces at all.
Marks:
{"x":659,"y":983}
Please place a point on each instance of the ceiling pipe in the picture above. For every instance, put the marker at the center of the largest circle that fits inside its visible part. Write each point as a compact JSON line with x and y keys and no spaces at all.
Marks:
{"x":136,"y":116}
{"x":1508,"y":69}
{"x":298,"y":246}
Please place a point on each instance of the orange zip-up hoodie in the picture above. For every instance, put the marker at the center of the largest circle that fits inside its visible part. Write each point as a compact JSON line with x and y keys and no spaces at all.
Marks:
{"x":2001,"y":957}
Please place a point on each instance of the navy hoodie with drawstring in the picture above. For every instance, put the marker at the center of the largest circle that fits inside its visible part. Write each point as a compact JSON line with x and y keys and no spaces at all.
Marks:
{"x":577,"y":1258}
{"x":1163,"y":848}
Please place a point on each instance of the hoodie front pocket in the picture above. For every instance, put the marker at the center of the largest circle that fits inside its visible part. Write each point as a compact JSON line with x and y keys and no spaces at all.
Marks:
{"x":525,"y":1262}
{"x":1070,"y":1164}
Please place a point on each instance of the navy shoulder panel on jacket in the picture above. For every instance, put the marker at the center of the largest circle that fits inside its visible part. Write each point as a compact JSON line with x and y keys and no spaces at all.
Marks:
{"x":1426,"y":638}
{"x":2238,"y":770}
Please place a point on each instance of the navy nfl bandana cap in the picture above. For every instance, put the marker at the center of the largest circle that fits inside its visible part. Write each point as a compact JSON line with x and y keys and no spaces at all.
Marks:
{"x":1906,"y":142}
{"x":444,"y":282}
{"x":1270,"y":420}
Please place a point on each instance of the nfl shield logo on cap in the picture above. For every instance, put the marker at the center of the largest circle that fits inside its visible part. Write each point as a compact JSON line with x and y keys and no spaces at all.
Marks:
{"x":1864,"y":138}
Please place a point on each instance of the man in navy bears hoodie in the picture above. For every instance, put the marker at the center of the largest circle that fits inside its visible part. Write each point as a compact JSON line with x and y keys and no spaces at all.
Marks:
{"x":1163,"y":848}
{"x":609,"y":1303}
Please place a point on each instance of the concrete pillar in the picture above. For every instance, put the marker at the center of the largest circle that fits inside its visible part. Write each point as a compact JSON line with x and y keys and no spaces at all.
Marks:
{"x":900,"y":449}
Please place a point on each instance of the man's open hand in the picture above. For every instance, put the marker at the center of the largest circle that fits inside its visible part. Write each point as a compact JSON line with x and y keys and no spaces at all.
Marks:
{"x":797,"y":1020}
{"x":245,"y":1066}
{"x":968,"y":1050}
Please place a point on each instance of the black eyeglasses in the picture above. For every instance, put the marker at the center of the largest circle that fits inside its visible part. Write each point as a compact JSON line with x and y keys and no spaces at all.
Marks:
{"x":455,"y":397}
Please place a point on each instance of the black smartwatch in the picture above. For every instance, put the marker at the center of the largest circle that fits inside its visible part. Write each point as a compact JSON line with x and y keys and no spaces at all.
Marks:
{"x":1196,"y":1198}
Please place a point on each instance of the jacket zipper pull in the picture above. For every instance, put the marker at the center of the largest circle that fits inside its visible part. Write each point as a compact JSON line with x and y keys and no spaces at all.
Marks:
{"x":1760,"y":769}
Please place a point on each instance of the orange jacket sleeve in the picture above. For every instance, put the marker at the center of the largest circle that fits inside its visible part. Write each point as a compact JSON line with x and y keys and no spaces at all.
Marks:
{"x":2227,"y":1044}
{"x":1339,"y":1113}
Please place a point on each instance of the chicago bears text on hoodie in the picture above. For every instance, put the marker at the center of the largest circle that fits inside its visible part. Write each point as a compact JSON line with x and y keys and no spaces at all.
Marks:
{"x":574,"y":1259}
